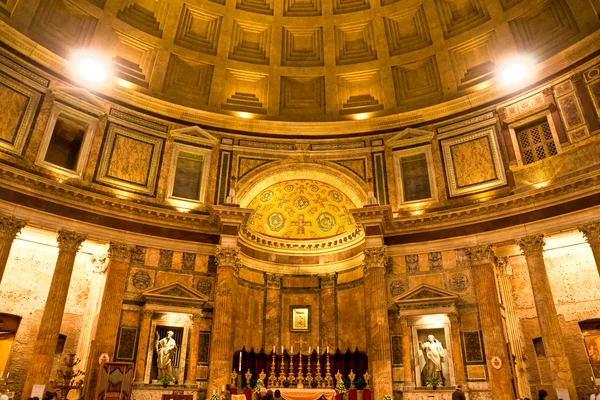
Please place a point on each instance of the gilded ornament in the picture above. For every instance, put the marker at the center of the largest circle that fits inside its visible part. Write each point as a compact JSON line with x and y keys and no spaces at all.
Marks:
{"x":276,"y":222}
{"x":325,"y":222}
{"x":459,"y":283}
{"x":120,"y":252}
{"x":301,"y":203}
{"x":266,"y":196}
{"x":141,"y":280}
{"x":591,"y":232}
{"x":481,"y":254}
{"x":204,"y":286}
{"x":375,"y":258}
{"x":227,"y":256}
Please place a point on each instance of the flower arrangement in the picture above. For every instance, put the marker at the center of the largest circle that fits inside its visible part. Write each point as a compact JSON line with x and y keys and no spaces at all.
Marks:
{"x":259,"y":385}
{"x":340,"y":388}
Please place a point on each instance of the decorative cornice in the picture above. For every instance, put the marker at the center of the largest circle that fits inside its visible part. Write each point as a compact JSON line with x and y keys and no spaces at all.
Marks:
{"x":481,"y":254}
{"x":10,"y":227}
{"x":120,"y":252}
{"x":273,"y":281}
{"x":69,"y":241}
{"x":227,"y":256}
{"x":591,"y":232}
{"x":375,"y":258}
{"x":328,"y":280}
{"x":147,"y":314}
{"x":532,"y":245}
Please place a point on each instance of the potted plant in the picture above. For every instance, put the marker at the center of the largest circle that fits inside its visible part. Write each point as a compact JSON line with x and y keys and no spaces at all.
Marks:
{"x":257,"y":388}
{"x":165,"y":380}
{"x":286,"y":383}
{"x":341,"y":388}
{"x":313,"y":384}
{"x":433,"y":382}
{"x":360,"y":384}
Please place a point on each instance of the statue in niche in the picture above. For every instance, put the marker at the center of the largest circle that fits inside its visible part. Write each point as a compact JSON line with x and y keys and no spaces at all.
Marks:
{"x":165,"y":349}
{"x":431,"y":356}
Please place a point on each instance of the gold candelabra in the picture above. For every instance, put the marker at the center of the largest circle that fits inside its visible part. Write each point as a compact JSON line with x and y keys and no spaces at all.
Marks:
{"x":300,"y":377}
{"x":318,"y":376}
{"x":308,"y":374}
{"x":328,"y":378}
{"x":291,"y":376}
{"x":282,"y":370}
{"x":272,"y":377}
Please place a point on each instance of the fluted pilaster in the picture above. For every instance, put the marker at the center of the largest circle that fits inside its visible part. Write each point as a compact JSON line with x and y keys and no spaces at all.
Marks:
{"x":107,"y":331}
{"x":591,"y":232}
{"x":328,"y":310}
{"x":193,"y":356}
{"x":9,"y":229}
{"x":221,"y":347}
{"x":273,"y":311}
{"x":459,"y":363}
{"x":406,"y":352}
{"x":47,"y":338}
{"x":484,"y":278}
{"x":142,"y":350}
{"x":378,"y":339}
{"x":562,"y":377}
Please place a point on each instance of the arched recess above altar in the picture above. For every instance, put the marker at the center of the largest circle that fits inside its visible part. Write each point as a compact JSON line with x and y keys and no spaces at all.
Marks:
{"x":429,"y":345}
{"x":172,"y":319}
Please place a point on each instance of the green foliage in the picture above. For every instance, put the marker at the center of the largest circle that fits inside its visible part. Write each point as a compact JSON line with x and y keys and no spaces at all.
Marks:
{"x":165,"y":380}
{"x":286,"y":383}
{"x":313,"y":384}
{"x":360,"y":384}
{"x":347,"y":383}
{"x":340,"y":388}
{"x":433,"y":381}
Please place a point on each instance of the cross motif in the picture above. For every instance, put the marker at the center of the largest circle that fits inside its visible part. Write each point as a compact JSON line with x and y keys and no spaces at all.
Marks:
{"x":281,"y":201}
{"x":320,"y":200}
{"x":301,"y":342}
{"x":255,"y":215}
{"x":301,"y":224}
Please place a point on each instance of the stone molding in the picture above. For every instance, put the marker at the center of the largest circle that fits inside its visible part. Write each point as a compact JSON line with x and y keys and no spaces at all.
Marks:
{"x":328,"y":280}
{"x":502,"y":263}
{"x":120,"y":252}
{"x":591,"y":232}
{"x":227,"y":256}
{"x":481,"y":254}
{"x":532,"y":245}
{"x":375,"y":258}
{"x":69,"y":241}
{"x":273,"y":281}
{"x":10,"y":227}
{"x":147,"y":313}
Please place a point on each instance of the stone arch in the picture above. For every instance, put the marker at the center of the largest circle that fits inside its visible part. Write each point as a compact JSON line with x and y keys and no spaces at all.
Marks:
{"x":286,"y":170}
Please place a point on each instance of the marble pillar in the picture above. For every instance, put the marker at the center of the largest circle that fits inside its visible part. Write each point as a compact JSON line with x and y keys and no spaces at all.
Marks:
{"x":494,"y":342}
{"x":459,"y":363}
{"x":9,"y":228}
{"x":327,"y":326}
{"x":190,"y":378}
{"x":406,"y":352}
{"x":591,"y":232}
{"x":378,"y":339}
{"x":272,"y":312}
{"x":221,"y":351}
{"x":142,"y":349}
{"x":47,"y":337}
{"x":107,"y":331}
{"x":552,"y":337}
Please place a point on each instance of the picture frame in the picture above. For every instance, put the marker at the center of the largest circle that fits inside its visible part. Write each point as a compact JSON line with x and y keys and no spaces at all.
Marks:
{"x":300,"y":318}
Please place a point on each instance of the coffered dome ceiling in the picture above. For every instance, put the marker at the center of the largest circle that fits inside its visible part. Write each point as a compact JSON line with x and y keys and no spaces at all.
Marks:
{"x":304,"y":60}
{"x":301,"y":210}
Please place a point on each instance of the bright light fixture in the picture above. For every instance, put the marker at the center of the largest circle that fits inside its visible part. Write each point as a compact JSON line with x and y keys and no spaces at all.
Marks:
{"x":89,"y":68}
{"x":515,"y":70}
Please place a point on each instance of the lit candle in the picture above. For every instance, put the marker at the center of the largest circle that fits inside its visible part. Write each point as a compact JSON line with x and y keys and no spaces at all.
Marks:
{"x":214,"y":391}
{"x":318,"y":352}
{"x":327,"y":349}
{"x":222,"y":390}
{"x":309,"y":349}
{"x":281,"y":349}
{"x":291,"y":349}
{"x":273,"y":349}
{"x":240,"y":366}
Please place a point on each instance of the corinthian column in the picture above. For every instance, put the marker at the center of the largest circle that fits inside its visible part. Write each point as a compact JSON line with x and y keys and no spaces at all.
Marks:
{"x":378,"y":329}
{"x":9,"y":228}
{"x":110,"y":308}
{"x":47,"y":338}
{"x":591,"y":232}
{"x":328,"y":311}
{"x":552,"y":338}
{"x":142,"y":350}
{"x":406,"y":359}
{"x":221,"y":351}
{"x":494,"y":342}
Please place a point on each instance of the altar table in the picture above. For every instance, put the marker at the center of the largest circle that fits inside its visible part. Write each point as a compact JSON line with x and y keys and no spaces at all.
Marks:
{"x":303,"y":394}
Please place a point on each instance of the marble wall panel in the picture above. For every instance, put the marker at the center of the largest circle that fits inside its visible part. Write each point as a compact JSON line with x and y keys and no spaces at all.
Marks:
{"x":249,"y":315}
{"x":291,"y":298}
{"x":352,"y":331}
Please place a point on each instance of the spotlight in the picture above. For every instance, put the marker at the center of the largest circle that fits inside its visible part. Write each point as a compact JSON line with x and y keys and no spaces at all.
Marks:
{"x":89,"y":68}
{"x":515,"y":70}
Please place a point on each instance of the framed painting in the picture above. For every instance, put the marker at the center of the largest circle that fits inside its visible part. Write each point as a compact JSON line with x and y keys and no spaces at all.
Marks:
{"x":300,"y":318}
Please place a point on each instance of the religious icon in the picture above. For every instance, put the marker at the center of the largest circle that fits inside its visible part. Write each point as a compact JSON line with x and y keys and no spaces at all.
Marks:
{"x":432,"y":357}
{"x":300,"y":321}
{"x":165,"y":350}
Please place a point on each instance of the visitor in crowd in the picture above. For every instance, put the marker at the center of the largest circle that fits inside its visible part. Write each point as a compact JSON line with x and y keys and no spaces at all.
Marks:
{"x":458,"y":393}
{"x":278,"y":395}
{"x":542,"y":394}
{"x":268,"y":395}
{"x":595,"y":395}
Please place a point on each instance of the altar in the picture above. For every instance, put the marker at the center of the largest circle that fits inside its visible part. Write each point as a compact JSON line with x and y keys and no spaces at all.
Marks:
{"x":303,"y":394}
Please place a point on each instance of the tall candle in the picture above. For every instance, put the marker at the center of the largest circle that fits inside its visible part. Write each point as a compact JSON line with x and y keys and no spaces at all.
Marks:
{"x":240,"y":366}
{"x":309,"y":349}
{"x":222,"y":390}
{"x":318,"y":352}
{"x":273,"y":349}
{"x":214,"y":391}
{"x":291,"y":349}
{"x":327,"y":349}
{"x":281,"y":349}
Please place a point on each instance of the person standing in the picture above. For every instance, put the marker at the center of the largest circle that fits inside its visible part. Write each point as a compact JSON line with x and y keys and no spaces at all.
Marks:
{"x":595,"y":395}
{"x":458,"y":394}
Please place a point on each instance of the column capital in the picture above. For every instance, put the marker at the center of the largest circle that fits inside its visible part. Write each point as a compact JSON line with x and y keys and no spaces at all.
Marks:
{"x":503,"y":265}
{"x":69,"y":241}
{"x":374,"y":258}
{"x":195,"y":319}
{"x":453,"y":317}
{"x":591,"y":232}
{"x":120,"y":252}
{"x":147,"y":313}
{"x":227,"y":256}
{"x":328,"y":280}
{"x":273,"y":281}
{"x":481,"y":254}
{"x":532,"y":245}
{"x":10,"y":227}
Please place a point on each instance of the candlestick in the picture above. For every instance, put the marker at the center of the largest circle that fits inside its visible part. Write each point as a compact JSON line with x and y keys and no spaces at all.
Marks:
{"x":240,"y":364}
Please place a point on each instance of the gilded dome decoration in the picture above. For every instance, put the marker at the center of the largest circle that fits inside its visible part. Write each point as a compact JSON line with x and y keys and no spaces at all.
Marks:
{"x":301,"y":209}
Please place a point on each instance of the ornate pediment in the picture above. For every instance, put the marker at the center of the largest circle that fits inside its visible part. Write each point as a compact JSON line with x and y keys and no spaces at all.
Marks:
{"x":175,"y":294}
{"x":194,"y":134}
{"x":410,"y":137}
{"x":425,"y":296}
{"x":80,"y":98}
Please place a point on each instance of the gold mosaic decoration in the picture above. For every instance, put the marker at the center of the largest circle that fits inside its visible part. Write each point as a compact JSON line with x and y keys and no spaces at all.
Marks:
{"x":301,"y":209}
